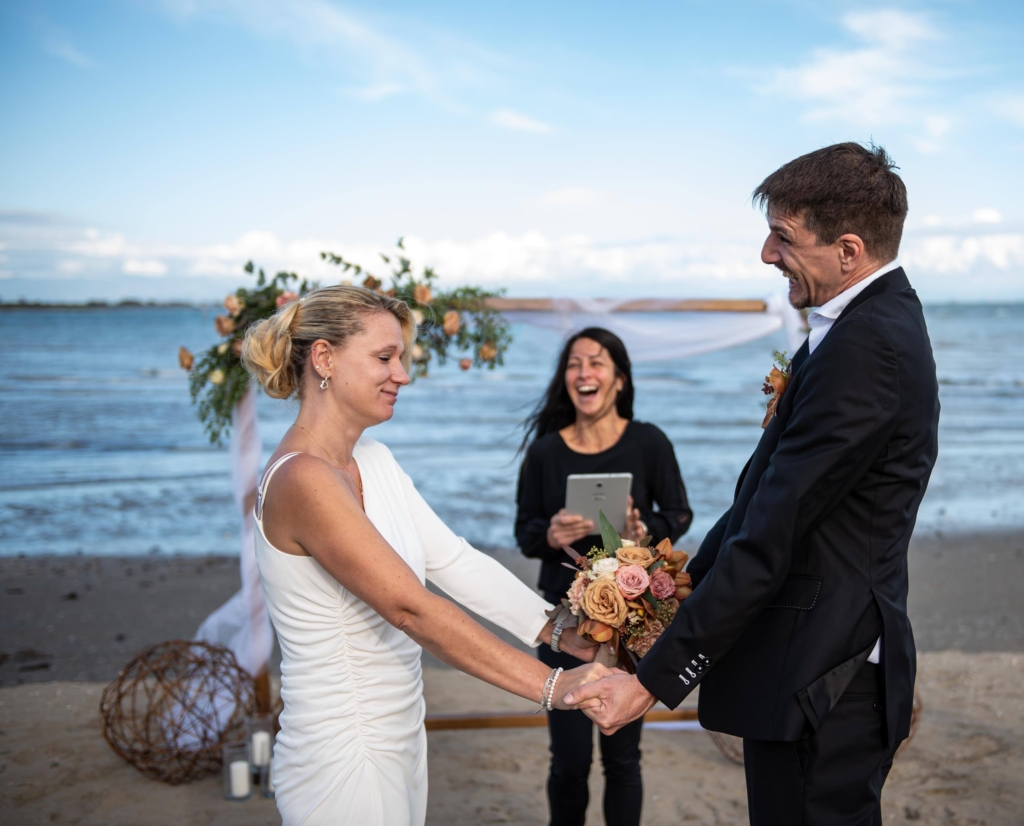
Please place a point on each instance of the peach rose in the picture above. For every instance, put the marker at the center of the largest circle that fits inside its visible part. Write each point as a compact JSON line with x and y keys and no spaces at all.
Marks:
{"x":465,"y":364}
{"x":185,"y":358}
{"x":233,"y":304}
{"x":662,"y":585}
{"x":421,"y":293}
{"x":236,"y":348}
{"x":417,"y":352}
{"x":603,"y":602}
{"x":632,"y":555}
{"x":372,"y":283}
{"x":452,"y":323}
{"x":417,"y":317}
{"x":488,"y":351}
{"x":287,"y":297}
{"x":633,"y":581}
{"x":224,"y":325}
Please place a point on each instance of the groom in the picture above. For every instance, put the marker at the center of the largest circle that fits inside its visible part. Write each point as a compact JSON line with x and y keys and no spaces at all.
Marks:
{"x":797,"y":626}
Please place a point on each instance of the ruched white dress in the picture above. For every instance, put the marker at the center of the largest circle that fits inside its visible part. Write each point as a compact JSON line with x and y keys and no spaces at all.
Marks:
{"x":352,"y":747}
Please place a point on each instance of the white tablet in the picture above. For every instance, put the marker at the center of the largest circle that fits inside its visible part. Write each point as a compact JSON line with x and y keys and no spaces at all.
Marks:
{"x":588,"y":493}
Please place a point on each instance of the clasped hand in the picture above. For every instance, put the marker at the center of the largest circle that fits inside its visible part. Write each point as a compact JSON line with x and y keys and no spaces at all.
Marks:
{"x":610,"y":700}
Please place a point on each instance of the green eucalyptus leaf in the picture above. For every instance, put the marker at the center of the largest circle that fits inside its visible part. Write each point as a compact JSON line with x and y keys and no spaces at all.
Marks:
{"x":609,"y":536}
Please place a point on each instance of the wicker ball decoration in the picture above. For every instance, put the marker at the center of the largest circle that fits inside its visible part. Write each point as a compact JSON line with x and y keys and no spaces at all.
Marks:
{"x":174,"y":705}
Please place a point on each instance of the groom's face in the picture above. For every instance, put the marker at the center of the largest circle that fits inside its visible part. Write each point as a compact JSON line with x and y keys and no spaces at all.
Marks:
{"x":814,"y":270}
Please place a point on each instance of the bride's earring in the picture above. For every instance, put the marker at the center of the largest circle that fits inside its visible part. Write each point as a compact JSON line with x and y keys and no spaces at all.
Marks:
{"x":323,"y":383}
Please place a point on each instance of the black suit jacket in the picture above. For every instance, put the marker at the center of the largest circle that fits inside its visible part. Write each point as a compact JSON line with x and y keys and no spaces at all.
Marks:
{"x":808,"y":567}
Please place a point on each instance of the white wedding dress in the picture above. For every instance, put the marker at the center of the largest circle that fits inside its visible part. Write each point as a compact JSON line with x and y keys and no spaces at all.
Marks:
{"x":352,"y":747}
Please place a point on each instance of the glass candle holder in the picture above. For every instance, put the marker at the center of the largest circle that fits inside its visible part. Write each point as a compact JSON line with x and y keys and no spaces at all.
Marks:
{"x":267,"y":779}
{"x":237,"y":773}
{"x":260,"y":733}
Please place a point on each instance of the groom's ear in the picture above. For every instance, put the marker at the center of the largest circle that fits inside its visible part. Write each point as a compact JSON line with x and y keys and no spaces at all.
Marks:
{"x":852,"y":252}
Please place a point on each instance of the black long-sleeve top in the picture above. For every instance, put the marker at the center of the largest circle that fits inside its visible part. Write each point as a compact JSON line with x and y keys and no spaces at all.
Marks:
{"x":643,"y":450}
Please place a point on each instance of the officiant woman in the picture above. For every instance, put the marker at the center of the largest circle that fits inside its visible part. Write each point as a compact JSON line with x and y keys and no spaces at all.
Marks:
{"x":584,"y":424}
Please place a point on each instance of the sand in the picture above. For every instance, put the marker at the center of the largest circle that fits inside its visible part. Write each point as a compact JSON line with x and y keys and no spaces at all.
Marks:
{"x":67,"y":625}
{"x":964,"y":766}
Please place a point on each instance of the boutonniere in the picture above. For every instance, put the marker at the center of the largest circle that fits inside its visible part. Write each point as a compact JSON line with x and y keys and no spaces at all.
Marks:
{"x":775,"y":384}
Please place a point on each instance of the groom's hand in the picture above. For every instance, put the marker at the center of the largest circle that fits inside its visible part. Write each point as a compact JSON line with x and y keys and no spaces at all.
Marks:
{"x":612,"y":702}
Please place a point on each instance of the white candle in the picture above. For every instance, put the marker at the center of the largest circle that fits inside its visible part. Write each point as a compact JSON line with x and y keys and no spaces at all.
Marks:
{"x":270,"y":777}
{"x":260,"y":748}
{"x":240,"y":781}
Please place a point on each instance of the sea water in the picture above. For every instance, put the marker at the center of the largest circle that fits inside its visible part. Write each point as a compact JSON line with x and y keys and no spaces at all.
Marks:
{"x":101,"y":451}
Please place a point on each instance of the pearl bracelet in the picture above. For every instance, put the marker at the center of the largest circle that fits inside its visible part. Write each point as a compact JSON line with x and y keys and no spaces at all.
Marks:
{"x":551,"y":693}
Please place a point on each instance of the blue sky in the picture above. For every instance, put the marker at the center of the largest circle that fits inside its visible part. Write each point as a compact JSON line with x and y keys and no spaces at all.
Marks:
{"x":148,"y":149}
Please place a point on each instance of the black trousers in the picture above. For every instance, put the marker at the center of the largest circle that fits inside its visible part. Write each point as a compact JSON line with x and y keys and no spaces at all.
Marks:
{"x":829,"y":777}
{"x":572,"y":746}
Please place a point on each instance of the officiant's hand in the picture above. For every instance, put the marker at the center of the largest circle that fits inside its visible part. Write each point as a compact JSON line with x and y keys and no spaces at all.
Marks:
{"x":613,"y":701}
{"x":566,"y":528}
{"x":574,"y":679}
{"x":635,"y":527}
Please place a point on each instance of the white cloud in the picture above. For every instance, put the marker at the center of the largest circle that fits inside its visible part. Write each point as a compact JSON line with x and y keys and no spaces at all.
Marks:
{"x":59,"y":47}
{"x":377,"y":92}
{"x":379,"y":57}
{"x":887,"y":79}
{"x":1010,"y":107}
{"x":510,"y":119}
{"x":987,"y":216}
{"x":964,"y":253}
{"x":150,"y":267}
{"x":573,"y":196}
{"x":529,"y":263}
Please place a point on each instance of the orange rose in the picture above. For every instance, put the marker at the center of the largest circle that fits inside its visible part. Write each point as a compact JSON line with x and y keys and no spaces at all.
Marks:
{"x":452,"y":323}
{"x":664,"y":549}
{"x":421,"y":293}
{"x":775,"y":384}
{"x":185,"y":359}
{"x":488,"y":351}
{"x":603,"y":602}
{"x":224,"y":325}
{"x":597,"y":631}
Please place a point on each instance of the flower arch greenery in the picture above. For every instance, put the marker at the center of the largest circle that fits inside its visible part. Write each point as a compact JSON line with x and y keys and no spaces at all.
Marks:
{"x":451,"y":323}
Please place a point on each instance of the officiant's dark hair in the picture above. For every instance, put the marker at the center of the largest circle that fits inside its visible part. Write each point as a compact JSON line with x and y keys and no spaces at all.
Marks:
{"x":555,"y":410}
{"x":842,"y":188}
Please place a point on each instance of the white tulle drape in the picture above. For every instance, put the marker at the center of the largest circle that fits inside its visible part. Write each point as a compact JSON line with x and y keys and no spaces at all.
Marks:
{"x":242,"y":623}
{"x":659,"y":336}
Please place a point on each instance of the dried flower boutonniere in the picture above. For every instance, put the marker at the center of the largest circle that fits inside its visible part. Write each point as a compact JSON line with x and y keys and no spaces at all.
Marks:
{"x":775,"y":384}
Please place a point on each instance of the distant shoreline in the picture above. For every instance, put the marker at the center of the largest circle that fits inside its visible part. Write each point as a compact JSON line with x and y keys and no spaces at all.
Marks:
{"x":133,"y":304}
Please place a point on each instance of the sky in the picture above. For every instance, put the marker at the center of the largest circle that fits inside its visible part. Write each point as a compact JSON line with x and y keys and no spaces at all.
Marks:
{"x":149,"y":149}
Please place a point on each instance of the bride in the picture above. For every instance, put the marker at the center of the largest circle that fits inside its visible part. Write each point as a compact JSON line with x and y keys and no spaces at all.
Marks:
{"x":344,"y":544}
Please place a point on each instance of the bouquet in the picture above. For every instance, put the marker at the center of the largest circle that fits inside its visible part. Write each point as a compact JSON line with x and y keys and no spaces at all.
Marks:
{"x":625,"y":594}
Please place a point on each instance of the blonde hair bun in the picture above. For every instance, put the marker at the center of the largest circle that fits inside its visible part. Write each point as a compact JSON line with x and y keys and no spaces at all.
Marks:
{"x":275,"y":350}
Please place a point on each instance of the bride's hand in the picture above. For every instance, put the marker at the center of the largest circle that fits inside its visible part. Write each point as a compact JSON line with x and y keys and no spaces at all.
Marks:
{"x":576,"y":646}
{"x":574,"y":678}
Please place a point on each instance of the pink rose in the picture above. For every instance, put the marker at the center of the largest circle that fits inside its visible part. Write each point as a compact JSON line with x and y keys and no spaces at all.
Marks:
{"x":286,"y":297}
{"x":663,"y":585}
{"x":579,"y":585}
{"x":633,"y":581}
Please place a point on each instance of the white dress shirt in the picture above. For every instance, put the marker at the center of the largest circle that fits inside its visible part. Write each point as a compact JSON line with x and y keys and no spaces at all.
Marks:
{"x":820,"y":321}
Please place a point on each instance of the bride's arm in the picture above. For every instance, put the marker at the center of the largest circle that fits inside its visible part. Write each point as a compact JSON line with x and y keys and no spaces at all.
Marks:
{"x":473,"y":579}
{"x":310,"y":510}
{"x":482,"y":584}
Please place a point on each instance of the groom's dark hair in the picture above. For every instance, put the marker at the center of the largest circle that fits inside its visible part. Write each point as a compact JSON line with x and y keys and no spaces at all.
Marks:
{"x":843,"y":188}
